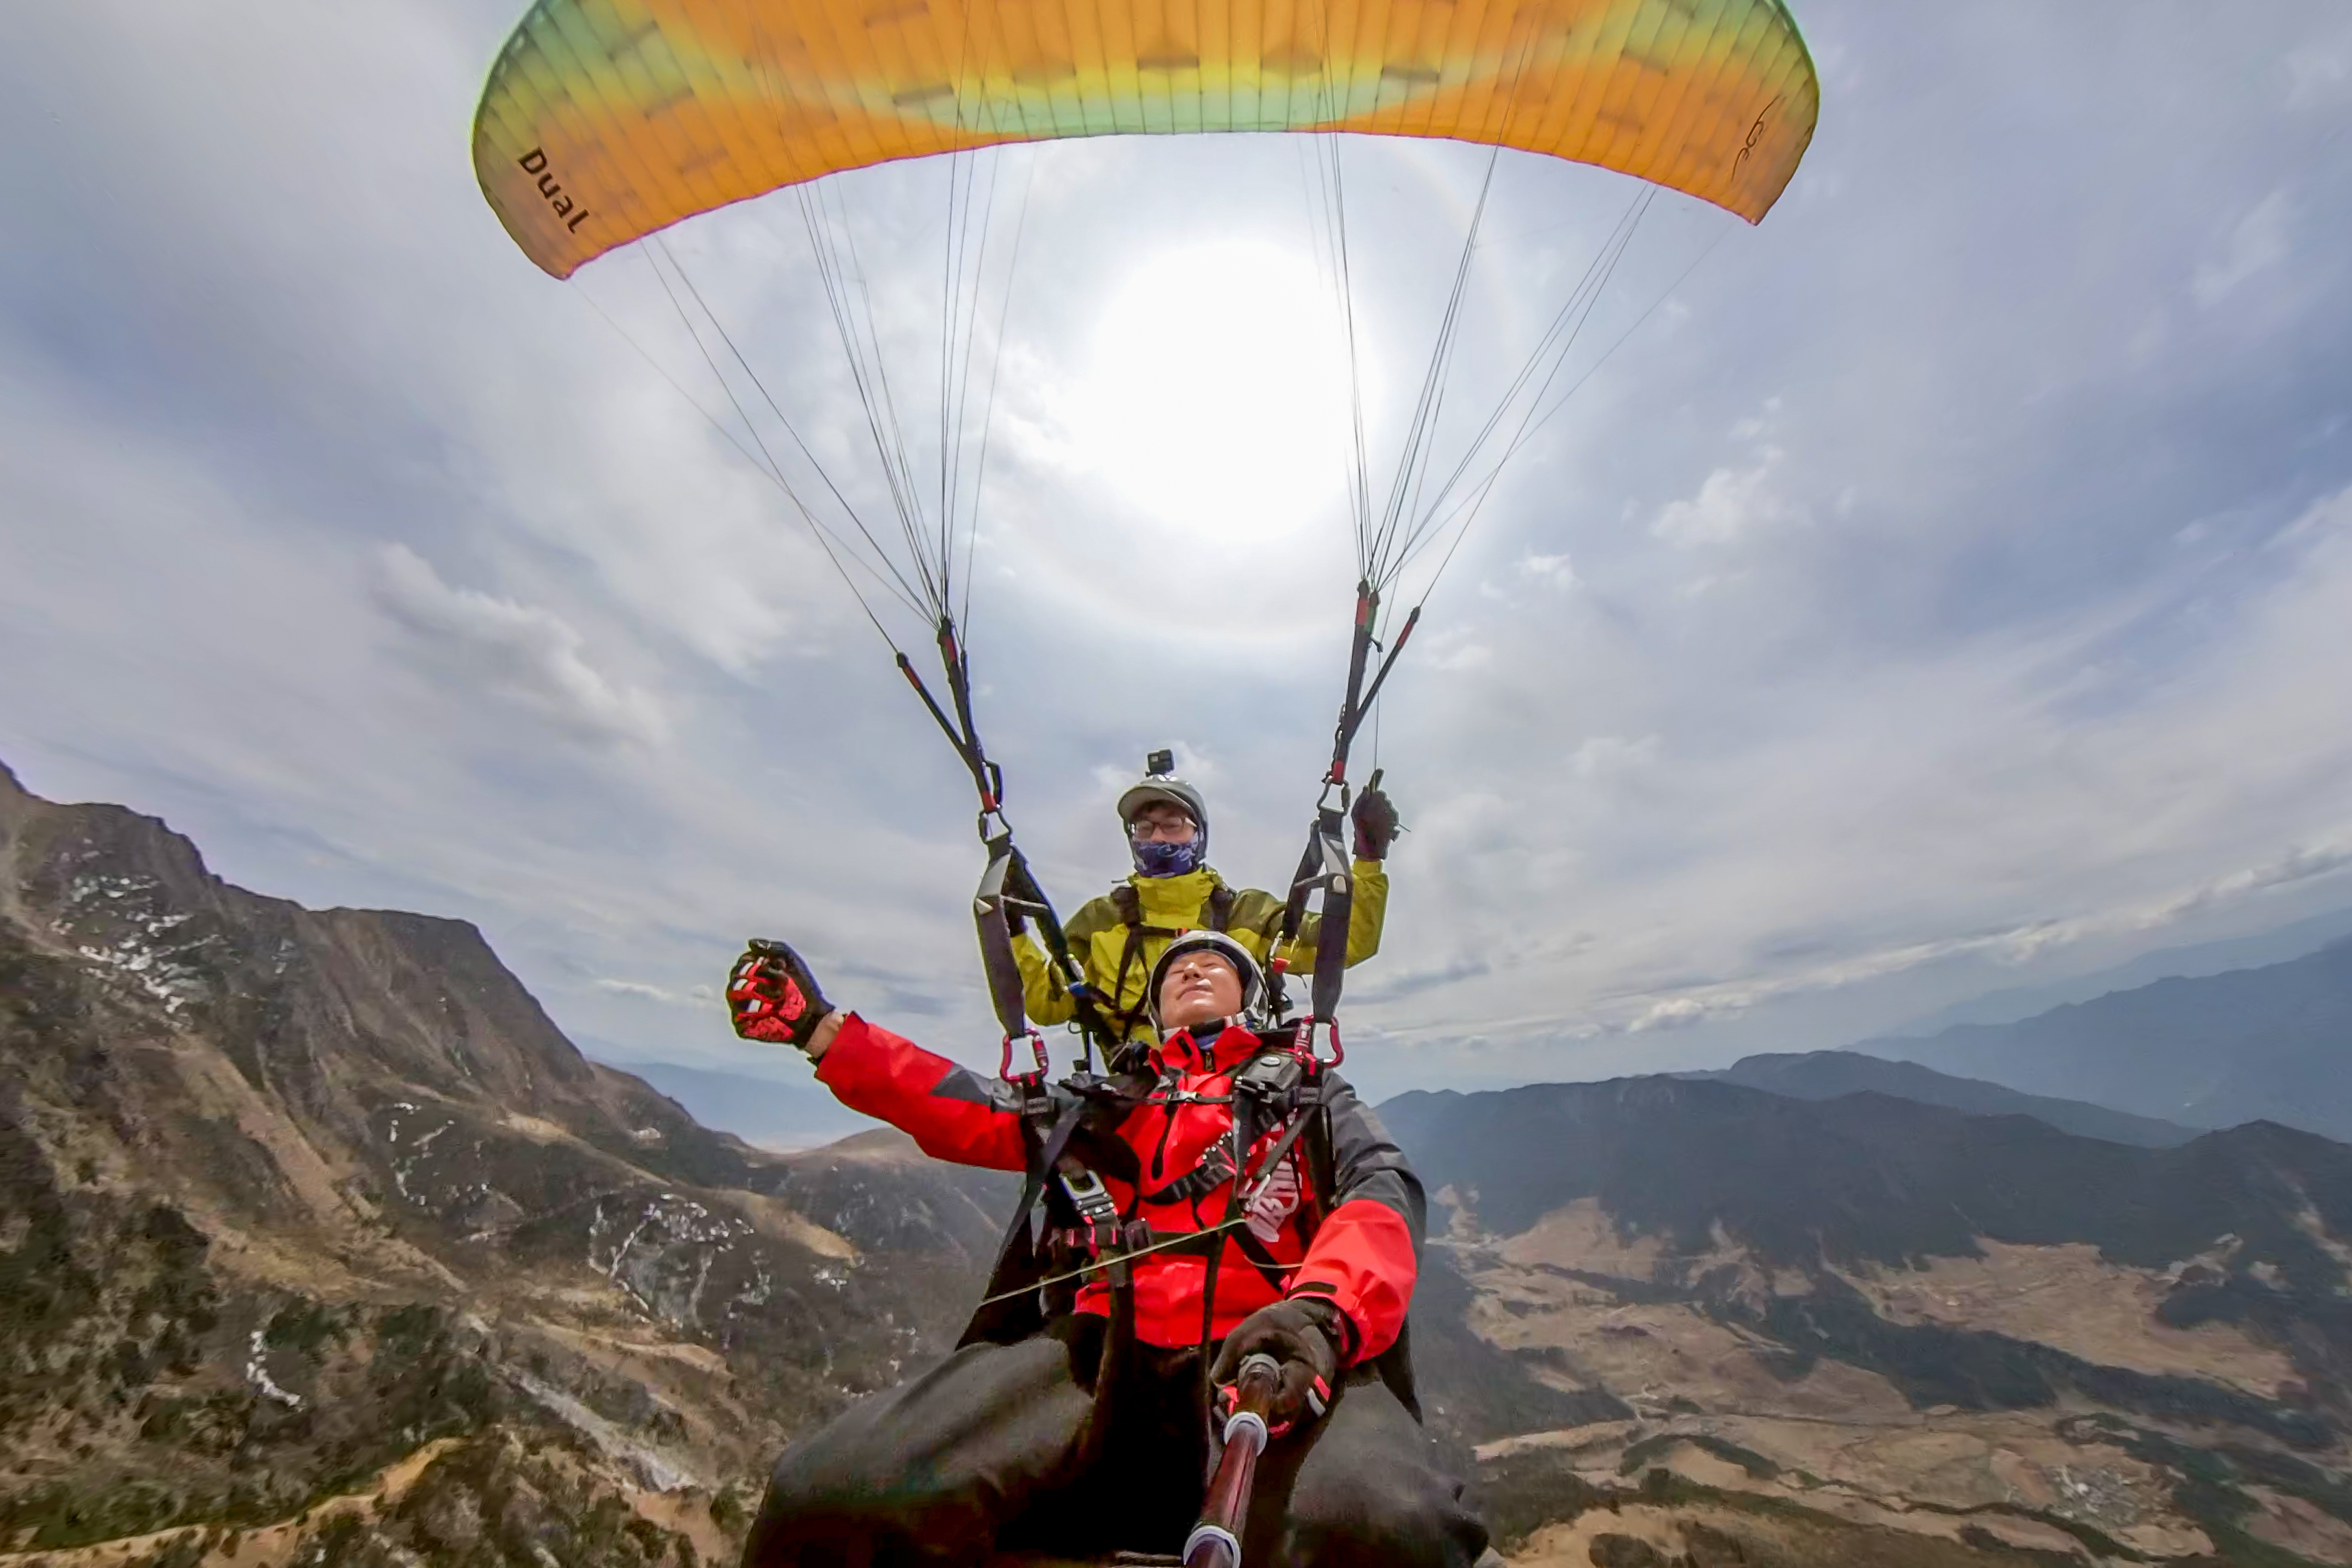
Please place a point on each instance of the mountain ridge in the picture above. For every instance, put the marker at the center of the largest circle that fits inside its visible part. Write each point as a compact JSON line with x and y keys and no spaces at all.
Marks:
{"x":2280,"y":944}
{"x":2255,"y":1044}
{"x":1825,"y":1075}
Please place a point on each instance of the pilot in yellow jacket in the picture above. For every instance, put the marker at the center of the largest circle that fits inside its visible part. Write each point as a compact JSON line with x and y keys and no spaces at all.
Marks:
{"x":1118,"y":937}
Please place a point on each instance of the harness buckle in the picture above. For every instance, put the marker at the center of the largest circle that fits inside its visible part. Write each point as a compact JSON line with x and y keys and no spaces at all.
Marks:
{"x":1097,"y":1211}
{"x":1037,"y":1050}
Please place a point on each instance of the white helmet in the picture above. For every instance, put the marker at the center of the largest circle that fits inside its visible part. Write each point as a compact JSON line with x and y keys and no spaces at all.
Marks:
{"x":1244,"y":965}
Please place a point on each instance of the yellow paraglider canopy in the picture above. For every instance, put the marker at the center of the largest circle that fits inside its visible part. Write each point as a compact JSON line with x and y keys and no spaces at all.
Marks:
{"x":606,"y":120}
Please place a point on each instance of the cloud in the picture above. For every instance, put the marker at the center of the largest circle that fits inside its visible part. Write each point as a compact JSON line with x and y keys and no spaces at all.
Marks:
{"x":2257,"y":243}
{"x":1548,"y":571}
{"x":1613,"y":756}
{"x":1695,"y":1002}
{"x":1731,"y":505}
{"x":1680,"y":1013}
{"x":527,"y":656}
{"x":1455,"y":649}
{"x":698,"y":996}
{"x":2319,"y":72}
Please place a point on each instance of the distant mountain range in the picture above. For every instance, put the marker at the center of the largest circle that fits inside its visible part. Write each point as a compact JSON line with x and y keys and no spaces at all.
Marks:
{"x":2280,"y":944}
{"x":1827,"y":1075}
{"x":2273,"y":1043}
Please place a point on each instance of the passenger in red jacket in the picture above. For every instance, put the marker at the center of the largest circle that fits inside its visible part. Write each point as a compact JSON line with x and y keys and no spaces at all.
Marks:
{"x":1091,"y":1434}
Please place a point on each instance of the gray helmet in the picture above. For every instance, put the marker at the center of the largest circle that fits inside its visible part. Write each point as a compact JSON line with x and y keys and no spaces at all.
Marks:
{"x":1160,"y":784}
{"x":1245,"y":964}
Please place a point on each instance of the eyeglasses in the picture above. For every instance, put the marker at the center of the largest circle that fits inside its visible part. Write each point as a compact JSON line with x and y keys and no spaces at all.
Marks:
{"x":1162,"y":828}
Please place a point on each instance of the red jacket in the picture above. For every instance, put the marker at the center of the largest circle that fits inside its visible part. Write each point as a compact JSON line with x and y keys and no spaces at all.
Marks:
{"x":1361,"y":1257}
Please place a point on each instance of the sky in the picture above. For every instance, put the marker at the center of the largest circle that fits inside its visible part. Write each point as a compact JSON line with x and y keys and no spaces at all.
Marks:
{"x":1943,"y":585}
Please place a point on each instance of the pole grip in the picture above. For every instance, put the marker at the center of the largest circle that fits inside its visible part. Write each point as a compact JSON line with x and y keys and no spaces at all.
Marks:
{"x":1215,"y":1542}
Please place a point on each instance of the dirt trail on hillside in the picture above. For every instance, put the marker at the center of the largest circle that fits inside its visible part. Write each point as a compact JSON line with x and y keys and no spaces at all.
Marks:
{"x":259,"y":1546}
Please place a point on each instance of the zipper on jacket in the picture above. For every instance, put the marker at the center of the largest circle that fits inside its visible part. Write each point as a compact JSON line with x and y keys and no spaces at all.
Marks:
{"x":1160,"y":1155}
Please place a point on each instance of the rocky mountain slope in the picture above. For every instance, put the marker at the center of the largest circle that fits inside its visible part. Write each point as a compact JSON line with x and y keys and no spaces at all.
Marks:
{"x":315,"y":1233}
{"x":1868,"y":1329}
{"x":2264,"y":1044}
{"x":1829,"y":1075}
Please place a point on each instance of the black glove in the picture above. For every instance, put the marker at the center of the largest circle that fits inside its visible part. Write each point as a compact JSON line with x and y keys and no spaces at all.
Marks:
{"x":1020,"y":889}
{"x":1376,"y":824}
{"x":773,"y":997}
{"x":1303,"y":1334}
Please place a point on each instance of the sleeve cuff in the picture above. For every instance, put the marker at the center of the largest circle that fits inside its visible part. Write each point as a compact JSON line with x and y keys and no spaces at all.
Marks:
{"x":1345,"y":1338}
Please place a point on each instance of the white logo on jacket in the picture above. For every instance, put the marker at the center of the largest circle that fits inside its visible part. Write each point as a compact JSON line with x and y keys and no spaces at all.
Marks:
{"x":1276,"y":1200}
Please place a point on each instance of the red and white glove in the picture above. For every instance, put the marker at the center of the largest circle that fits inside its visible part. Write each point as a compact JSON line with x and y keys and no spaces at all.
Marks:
{"x":773,"y":997}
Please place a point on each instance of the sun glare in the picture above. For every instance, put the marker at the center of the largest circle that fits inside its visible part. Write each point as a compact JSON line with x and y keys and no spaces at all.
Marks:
{"x":1219,"y":398}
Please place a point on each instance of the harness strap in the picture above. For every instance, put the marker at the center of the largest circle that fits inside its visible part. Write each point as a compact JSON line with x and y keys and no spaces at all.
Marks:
{"x":1339,"y":883}
{"x":1142,"y":1239}
{"x":1308,"y":1111}
{"x":1125,"y":899}
{"x":1006,"y":887}
{"x":1050,"y":1148}
{"x":1215,"y":1169}
{"x":996,"y":958}
{"x":1216,"y":914}
{"x":1310,"y":1108}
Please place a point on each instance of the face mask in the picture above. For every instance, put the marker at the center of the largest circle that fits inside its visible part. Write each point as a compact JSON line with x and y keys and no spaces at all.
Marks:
{"x":1153,"y":858}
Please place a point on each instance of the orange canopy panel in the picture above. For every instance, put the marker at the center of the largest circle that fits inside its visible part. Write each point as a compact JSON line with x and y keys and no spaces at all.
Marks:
{"x":606,"y":120}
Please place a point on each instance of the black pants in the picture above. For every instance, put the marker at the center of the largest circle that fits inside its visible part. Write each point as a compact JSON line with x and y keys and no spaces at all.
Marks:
{"x":990,"y":1450}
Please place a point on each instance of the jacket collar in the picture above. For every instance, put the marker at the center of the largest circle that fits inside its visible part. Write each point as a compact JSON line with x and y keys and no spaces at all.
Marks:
{"x":1227,"y":1051}
{"x":1174,"y":900}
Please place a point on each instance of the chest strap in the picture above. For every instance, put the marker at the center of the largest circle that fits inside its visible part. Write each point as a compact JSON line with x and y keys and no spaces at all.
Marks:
{"x":1216,"y":914}
{"x":1142,"y":1239}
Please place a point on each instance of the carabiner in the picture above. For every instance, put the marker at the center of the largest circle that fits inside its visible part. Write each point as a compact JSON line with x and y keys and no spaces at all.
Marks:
{"x":1302,"y":1043}
{"x":1037,"y":1050}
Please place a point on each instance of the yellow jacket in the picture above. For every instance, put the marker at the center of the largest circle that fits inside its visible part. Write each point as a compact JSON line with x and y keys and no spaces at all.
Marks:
{"x":1099,"y":938}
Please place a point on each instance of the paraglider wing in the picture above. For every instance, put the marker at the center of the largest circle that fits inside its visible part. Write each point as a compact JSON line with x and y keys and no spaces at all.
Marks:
{"x":605,"y":120}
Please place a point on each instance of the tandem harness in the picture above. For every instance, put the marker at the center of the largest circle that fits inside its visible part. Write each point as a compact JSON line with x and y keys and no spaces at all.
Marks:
{"x":1071,"y":1128}
{"x":1067,"y":1228}
{"x":1216,"y":914}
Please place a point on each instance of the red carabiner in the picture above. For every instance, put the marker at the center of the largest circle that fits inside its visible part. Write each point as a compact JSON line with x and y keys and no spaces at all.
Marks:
{"x":1302,"y":1043}
{"x":1037,"y":1048}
